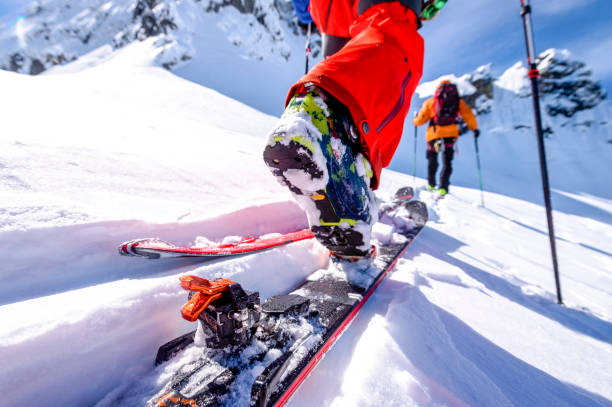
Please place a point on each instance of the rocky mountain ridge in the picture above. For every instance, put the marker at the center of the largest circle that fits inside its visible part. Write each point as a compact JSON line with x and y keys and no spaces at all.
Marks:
{"x":569,"y":92}
{"x":56,"y":32}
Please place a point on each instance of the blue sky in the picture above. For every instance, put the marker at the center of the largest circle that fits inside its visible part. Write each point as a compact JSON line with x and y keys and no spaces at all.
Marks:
{"x":467,"y":34}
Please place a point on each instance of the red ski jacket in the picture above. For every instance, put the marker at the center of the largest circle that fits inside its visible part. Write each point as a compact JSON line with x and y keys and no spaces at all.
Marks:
{"x":374,"y":74}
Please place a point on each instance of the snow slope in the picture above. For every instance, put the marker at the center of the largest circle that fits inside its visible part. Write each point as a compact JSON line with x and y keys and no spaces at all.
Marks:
{"x":118,"y":152}
{"x":126,"y":149}
{"x":251,"y":51}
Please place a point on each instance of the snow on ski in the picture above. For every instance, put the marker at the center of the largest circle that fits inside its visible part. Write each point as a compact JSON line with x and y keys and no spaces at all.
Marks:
{"x":282,"y":339}
{"x":154,"y":248}
{"x":265,"y":395}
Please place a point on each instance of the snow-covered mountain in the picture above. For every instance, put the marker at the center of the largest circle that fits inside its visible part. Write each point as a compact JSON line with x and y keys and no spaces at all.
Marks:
{"x":247,"y":49}
{"x":124,"y":150}
{"x":114,"y":146}
{"x":236,"y":46}
{"x":187,"y":36}
{"x":567,"y":88}
{"x":577,"y":120}
{"x":55,"y":32}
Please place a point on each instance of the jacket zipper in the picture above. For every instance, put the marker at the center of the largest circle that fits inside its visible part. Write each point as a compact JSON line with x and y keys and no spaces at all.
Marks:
{"x":327,"y":16}
{"x":398,"y":106}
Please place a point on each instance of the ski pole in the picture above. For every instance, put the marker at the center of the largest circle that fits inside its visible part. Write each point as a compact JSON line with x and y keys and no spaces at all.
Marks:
{"x":479,"y":171}
{"x":534,"y":75}
{"x":415,"y":152}
{"x":308,"y":51}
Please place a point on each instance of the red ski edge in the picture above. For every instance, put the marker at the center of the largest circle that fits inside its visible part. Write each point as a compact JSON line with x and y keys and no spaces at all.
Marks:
{"x":246,"y":245}
{"x":155,"y":248}
{"x":338,"y":332}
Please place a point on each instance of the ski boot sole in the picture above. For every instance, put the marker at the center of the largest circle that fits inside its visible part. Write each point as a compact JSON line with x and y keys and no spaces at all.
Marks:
{"x":281,"y":157}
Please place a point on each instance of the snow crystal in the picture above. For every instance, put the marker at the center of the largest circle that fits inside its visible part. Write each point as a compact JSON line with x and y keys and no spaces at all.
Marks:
{"x":428,"y":89}
{"x":270,"y":235}
{"x":201,"y":241}
{"x":300,"y":351}
{"x":482,"y":72}
{"x":232,"y":240}
{"x":303,"y":180}
{"x":257,"y":347}
{"x":382,"y":232}
{"x":360,"y":273}
{"x":516,"y":80}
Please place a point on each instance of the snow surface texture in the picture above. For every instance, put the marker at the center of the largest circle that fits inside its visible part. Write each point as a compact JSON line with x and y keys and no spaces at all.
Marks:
{"x":92,"y":157}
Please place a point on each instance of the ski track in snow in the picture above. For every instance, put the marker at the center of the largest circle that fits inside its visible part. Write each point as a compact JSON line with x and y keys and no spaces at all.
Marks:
{"x":432,"y":347}
{"x":468,"y":318}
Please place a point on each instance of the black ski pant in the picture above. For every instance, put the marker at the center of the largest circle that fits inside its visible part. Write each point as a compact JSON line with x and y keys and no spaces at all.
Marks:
{"x":447,"y":147}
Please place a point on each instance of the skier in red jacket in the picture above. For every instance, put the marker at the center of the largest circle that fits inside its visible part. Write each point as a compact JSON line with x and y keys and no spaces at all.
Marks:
{"x":344,"y":119}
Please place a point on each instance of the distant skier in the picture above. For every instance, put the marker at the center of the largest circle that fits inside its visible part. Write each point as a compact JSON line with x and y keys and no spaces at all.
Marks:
{"x":343,"y":120}
{"x":442,"y":111}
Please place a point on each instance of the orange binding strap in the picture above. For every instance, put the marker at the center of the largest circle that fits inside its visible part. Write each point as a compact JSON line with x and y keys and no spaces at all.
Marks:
{"x":175,"y":401}
{"x":206,"y":292}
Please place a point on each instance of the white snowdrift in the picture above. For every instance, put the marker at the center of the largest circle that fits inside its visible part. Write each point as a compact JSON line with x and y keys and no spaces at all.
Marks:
{"x":124,"y":150}
{"x":95,"y":338}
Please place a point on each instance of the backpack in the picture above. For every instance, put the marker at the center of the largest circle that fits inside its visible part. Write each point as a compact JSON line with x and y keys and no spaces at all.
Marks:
{"x":446,"y":102}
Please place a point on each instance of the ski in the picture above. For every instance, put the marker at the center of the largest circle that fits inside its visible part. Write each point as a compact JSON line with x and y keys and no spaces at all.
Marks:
{"x":153,"y":248}
{"x":280,"y":380}
{"x":283,"y":338}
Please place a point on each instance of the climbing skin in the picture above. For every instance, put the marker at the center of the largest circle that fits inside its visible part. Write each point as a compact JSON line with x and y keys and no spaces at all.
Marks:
{"x":310,"y":152}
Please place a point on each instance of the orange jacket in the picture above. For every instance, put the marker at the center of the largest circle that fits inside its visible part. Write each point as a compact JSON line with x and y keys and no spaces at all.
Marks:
{"x":435,"y":132}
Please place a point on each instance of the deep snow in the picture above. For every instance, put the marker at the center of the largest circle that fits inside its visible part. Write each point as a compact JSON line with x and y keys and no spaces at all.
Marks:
{"x":124,"y":150}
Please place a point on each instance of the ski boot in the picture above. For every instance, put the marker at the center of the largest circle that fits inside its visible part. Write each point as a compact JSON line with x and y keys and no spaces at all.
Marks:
{"x":314,"y":151}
